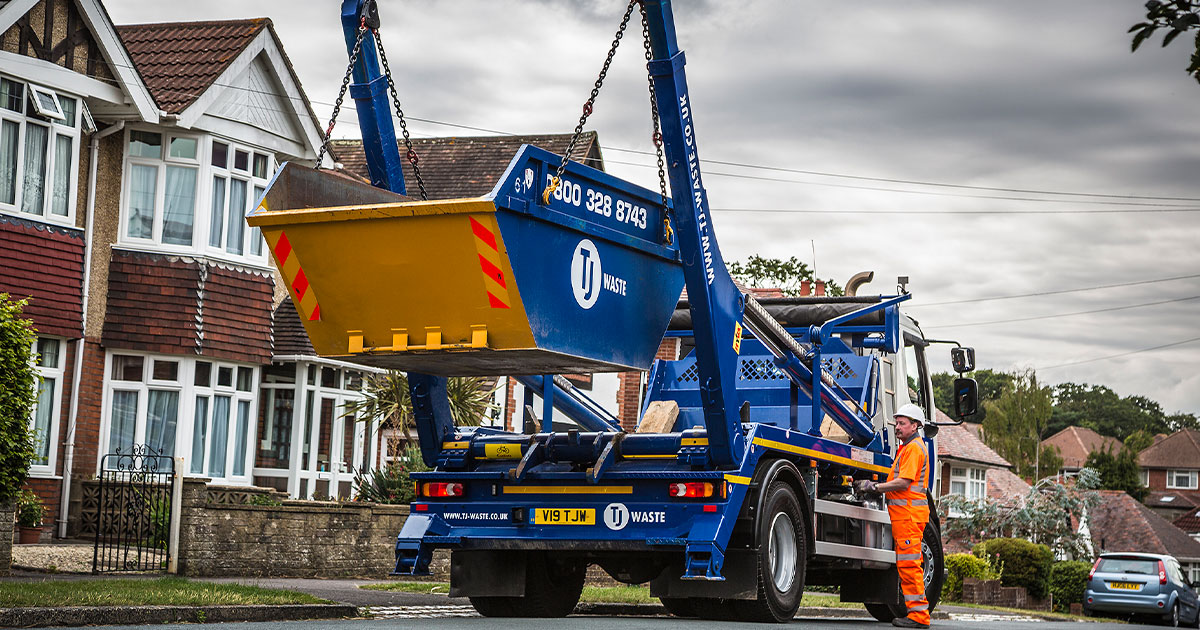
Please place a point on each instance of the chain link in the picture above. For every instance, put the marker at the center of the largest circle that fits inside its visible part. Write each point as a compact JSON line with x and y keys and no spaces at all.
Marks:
{"x":668,"y":232}
{"x":587,"y":106}
{"x":337,"y":105}
{"x":411,"y":155}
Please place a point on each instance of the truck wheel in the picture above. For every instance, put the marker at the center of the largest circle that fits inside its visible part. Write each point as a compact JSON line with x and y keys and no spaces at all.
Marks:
{"x":495,"y":606}
{"x":933,"y":567}
{"x":714,"y":609}
{"x":782,"y":554}
{"x":678,"y":606}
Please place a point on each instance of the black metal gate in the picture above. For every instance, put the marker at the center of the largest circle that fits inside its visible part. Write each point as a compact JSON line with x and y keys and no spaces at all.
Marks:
{"x":133,"y":518}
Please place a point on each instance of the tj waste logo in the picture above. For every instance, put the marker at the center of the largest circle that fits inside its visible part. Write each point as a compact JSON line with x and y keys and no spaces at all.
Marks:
{"x":586,"y":274}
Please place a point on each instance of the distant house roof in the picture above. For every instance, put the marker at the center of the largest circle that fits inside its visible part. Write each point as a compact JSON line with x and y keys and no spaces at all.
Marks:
{"x":288,"y":333}
{"x":1074,"y":444}
{"x":467,"y":166}
{"x":1006,"y":487}
{"x":1189,"y":522}
{"x":1178,"y":450}
{"x":1120,"y":523}
{"x":180,"y":60}
{"x":1171,"y":499}
{"x":959,"y":443}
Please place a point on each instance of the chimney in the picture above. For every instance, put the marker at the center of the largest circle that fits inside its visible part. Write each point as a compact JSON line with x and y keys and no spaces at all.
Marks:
{"x":820,"y":288}
{"x":805,"y":288}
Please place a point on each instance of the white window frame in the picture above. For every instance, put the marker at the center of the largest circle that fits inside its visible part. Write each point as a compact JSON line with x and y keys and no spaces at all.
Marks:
{"x":186,"y":409}
{"x":59,"y":374}
{"x":971,"y":479}
{"x":1172,"y":481}
{"x":202,"y":212}
{"x":53,"y":122}
{"x":1144,"y":475}
{"x":53,"y":114}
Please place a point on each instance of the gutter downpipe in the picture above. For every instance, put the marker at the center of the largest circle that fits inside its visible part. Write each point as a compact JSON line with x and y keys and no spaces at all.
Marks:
{"x":69,"y":453}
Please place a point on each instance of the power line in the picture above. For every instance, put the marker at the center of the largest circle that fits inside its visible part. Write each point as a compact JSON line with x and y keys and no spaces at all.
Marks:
{"x":1166,"y":207}
{"x":1041,"y":293}
{"x":1099,"y":310}
{"x":1123,"y":354}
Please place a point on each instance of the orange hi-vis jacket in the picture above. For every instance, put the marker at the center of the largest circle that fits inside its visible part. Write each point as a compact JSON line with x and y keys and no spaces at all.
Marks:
{"x":911,"y":503}
{"x":909,"y":511}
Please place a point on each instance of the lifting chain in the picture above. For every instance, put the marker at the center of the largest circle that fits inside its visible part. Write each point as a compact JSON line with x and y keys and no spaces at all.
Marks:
{"x":668,"y":232}
{"x":337,"y":105}
{"x":411,"y":155}
{"x":587,"y":107}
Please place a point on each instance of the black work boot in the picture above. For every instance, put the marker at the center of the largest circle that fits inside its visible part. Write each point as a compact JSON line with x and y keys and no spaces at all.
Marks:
{"x":905,"y":622}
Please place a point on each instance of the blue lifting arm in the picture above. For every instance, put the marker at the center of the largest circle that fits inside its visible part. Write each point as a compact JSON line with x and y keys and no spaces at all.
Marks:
{"x":716,"y":302}
{"x":431,"y":406}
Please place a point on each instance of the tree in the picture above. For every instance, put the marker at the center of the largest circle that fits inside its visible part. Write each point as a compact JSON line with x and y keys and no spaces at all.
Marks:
{"x":785,"y":275}
{"x":1016,"y":423}
{"x":1107,"y":413}
{"x":1047,"y":515}
{"x":1178,"y":16}
{"x":18,"y":392}
{"x":386,"y":401}
{"x":991,"y":384}
{"x":1118,"y":472}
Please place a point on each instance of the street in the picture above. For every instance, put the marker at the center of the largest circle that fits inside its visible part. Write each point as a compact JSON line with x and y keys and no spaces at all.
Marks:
{"x":621,"y":623}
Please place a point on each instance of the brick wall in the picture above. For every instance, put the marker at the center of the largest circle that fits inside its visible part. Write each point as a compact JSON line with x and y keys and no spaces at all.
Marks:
{"x":8,"y":517}
{"x":991,"y":593}
{"x":49,"y":491}
{"x":296,"y":539}
{"x":44,"y":263}
{"x":87,"y":425}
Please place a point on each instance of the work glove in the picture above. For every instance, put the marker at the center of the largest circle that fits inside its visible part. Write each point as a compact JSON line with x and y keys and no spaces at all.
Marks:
{"x":865,"y":486}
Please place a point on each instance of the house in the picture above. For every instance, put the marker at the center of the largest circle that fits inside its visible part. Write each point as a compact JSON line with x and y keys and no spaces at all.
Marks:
{"x":965,"y":463}
{"x":1190,"y":523}
{"x":1075,"y":444}
{"x":1170,"y":469}
{"x":1121,"y":523}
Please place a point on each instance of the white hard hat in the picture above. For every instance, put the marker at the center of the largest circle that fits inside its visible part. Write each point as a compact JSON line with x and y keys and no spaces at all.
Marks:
{"x":912,"y":412}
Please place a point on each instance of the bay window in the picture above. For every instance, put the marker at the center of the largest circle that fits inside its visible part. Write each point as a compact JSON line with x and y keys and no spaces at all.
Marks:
{"x":39,"y":140}
{"x":969,"y":482}
{"x":191,"y":407}
{"x":191,"y":194}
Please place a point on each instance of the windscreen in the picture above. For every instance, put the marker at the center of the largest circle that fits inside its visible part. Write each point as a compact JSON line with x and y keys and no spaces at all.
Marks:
{"x":1139,"y":566}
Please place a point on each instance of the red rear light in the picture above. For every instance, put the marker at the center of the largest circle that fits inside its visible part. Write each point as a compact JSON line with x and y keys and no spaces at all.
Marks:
{"x":1162,"y":573}
{"x":442,"y":489}
{"x":691,"y":490}
{"x":1095,"y":566}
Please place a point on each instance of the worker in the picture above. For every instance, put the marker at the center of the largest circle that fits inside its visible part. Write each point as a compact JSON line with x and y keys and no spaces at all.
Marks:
{"x":908,"y":507}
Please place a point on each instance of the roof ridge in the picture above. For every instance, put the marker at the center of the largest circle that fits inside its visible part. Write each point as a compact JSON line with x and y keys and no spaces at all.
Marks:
{"x":196,"y":23}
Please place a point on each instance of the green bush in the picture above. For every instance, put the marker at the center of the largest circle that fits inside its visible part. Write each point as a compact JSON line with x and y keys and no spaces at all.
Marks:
{"x":18,"y":392}
{"x":964,"y":565}
{"x":1067,"y":581}
{"x":391,"y":483}
{"x":1025,"y":564}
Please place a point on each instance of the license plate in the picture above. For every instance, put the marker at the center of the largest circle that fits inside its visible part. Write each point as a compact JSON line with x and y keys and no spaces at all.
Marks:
{"x":564,"y":516}
{"x":1125,"y":586}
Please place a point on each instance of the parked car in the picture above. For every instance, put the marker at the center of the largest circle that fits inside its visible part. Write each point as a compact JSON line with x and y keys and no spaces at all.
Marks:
{"x":1141,"y":584}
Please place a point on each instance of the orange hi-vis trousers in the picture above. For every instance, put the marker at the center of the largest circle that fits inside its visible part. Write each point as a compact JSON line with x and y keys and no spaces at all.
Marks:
{"x":907,"y":532}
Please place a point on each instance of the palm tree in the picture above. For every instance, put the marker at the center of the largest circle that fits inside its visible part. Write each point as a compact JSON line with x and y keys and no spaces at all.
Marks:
{"x":386,"y":401}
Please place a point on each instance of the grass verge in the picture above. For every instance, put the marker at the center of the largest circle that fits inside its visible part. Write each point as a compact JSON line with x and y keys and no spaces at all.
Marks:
{"x":156,"y":592}
{"x":427,"y":588}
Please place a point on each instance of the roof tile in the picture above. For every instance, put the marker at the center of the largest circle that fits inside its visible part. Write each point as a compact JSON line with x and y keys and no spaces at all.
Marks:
{"x":959,"y":442}
{"x":1178,"y":450}
{"x":1074,"y":444}
{"x":1121,"y":523}
{"x":180,"y":60}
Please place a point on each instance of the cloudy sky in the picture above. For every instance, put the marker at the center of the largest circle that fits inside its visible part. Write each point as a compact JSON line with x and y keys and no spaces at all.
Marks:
{"x":904,"y":137}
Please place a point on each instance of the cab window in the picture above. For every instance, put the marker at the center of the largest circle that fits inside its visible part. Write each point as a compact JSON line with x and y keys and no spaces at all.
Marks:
{"x":914,"y":367}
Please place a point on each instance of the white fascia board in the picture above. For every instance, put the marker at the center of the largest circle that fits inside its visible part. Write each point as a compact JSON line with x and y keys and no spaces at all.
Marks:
{"x":195,"y":112}
{"x":113,"y":50}
{"x":248,"y":134}
{"x":13,"y":11}
{"x":36,"y":71}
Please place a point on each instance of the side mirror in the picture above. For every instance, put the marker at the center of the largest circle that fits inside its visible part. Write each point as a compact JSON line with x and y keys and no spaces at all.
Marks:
{"x":962,"y":359}
{"x":966,"y":397}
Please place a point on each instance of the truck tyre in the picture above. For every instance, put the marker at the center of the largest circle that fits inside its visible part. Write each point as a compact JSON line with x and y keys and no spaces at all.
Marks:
{"x":782,"y":555}
{"x":678,"y":606}
{"x":934,"y":571}
{"x":552,"y":589}
{"x":714,"y":609}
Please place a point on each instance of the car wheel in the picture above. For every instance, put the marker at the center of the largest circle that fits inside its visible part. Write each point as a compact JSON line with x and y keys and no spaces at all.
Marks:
{"x":1172,"y":618}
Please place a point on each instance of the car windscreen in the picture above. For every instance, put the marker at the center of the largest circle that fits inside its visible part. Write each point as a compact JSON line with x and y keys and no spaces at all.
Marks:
{"x":1139,"y":566}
